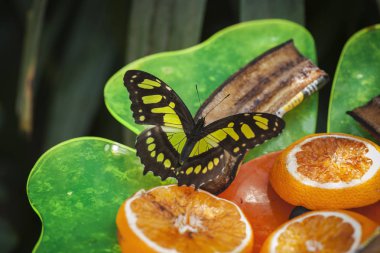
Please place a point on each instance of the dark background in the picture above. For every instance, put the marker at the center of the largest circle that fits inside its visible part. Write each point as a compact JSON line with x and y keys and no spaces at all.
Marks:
{"x":82,"y":43}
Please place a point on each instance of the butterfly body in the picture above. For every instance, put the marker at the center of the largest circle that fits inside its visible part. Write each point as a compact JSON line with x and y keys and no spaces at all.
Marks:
{"x":177,"y":146}
{"x":192,"y":139}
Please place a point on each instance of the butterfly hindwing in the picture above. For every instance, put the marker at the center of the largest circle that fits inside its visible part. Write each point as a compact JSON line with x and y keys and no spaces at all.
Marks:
{"x":157,"y":153}
{"x":203,"y":168}
{"x":155,"y":103}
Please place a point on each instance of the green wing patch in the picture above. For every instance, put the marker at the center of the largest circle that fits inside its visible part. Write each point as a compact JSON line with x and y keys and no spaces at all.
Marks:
{"x":177,"y":139}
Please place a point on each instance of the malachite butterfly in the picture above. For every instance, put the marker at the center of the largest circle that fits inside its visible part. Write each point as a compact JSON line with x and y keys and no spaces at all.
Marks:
{"x":178,"y":146}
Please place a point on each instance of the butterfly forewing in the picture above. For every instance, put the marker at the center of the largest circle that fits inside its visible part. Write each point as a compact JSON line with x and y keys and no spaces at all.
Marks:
{"x":238,"y":133}
{"x":155,"y":103}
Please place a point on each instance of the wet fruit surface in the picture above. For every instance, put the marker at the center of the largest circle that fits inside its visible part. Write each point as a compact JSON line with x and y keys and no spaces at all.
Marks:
{"x":321,"y":231}
{"x":371,"y":211}
{"x":330,"y":159}
{"x":180,"y":219}
{"x":252,"y":192}
{"x":301,"y":235}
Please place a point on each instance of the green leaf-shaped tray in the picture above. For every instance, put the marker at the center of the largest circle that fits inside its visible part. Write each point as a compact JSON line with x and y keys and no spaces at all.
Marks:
{"x":356,"y":81}
{"x":77,"y":187}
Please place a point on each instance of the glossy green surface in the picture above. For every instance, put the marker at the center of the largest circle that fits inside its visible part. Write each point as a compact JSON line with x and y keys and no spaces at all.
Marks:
{"x":213,"y":61}
{"x":77,"y":187}
{"x":357,"y":80}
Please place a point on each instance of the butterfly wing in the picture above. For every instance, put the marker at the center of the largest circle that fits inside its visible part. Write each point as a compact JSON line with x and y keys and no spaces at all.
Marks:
{"x":155,"y":103}
{"x":198,"y":170}
{"x":159,"y":150}
{"x":234,"y":134}
{"x":240,"y":132}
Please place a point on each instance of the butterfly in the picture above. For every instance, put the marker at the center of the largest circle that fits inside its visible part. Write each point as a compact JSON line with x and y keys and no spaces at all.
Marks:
{"x":175,"y":145}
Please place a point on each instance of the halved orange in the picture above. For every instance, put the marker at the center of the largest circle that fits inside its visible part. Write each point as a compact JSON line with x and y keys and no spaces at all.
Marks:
{"x":321,"y":231}
{"x":328,"y":171}
{"x":181,"y":219}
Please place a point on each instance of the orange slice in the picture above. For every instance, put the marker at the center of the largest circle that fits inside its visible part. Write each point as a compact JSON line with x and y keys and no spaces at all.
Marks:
{"x":321,"y":231}
{"x":181,"y":219}
{"x":328,"y":171}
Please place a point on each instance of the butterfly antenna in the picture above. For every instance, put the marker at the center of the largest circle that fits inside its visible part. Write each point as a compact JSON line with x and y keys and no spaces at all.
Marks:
{"x":199,"y":100}
{"x":216,"y":105}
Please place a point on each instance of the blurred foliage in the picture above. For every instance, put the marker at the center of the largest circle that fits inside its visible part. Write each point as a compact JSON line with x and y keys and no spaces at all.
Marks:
{"x":162,"y":25}
{"x":286,"y":9}
{"x":82,"y":43}
{"x":8,"y":237}
{"x":24,"y":103}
